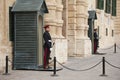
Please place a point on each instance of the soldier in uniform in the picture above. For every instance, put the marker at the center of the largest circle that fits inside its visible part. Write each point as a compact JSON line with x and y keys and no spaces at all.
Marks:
{"x":95,"y":41}
{"x":47,"y":46}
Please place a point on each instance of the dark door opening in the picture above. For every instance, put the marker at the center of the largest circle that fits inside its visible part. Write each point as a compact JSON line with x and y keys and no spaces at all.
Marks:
{"x":91,"y":19}
{"x":11,"y":31}
{"x":91,"y":33}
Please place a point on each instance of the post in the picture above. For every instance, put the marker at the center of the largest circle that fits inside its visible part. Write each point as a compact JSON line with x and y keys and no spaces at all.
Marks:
{"x":115,"y":48}
{"x":6,"y":66}
{"x":103,"y":67}
{"x":54,"y":66}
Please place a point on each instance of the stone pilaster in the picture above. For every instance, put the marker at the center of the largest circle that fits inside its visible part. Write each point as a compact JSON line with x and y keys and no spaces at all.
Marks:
{"x":117,"y":23}
{"x":65,"y":18}
{"x":50,"y":18}
{"x":59,"y":10}
{"x":83,"y":44}
{"x":72,"y":27}
{"x":5,"y":44}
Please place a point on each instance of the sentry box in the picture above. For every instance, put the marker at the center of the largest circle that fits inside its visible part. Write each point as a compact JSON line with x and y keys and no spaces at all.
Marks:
{"x":28,"y":33}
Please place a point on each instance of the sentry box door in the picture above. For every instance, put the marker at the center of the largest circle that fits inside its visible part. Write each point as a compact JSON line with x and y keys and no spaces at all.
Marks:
{"x":26,"y":41}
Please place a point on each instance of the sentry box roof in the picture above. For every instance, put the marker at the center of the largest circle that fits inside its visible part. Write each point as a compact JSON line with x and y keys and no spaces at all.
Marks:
{"x":92,"y":14}
{"x":29,"y":5}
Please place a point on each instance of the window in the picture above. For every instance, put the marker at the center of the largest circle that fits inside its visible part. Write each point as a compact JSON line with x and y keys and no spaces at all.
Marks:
{"x":106,"y":32}
{"x":108,"y":6}
{"x":11,"y":25}
{"x":112,"y":33}
{"x":113,"y":7}
{"x":100,"y":4}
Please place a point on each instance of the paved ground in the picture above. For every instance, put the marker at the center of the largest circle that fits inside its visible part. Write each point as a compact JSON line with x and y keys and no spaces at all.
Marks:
{"x":76,"y":63}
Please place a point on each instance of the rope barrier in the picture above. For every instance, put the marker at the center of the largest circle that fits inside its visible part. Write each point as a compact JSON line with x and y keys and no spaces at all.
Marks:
{"x":114,"y":46}
{"x":79,"y":70}
{"x":108,"y":48}
{"x":6,"y":66}
{"x":117,"y":46}
{"x":112,"y":65}
{"x":51,"y":61}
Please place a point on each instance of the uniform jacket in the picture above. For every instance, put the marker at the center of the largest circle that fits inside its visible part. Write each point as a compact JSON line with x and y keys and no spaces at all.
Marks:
{"x":47,"y":39}
{"x":95,"y":36}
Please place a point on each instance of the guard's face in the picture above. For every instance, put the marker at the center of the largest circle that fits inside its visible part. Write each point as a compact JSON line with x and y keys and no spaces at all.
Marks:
{"x":48,"y":29}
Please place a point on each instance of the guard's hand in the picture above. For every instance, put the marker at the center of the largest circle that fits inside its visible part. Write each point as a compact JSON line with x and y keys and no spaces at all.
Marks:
{"x":50,"y":49}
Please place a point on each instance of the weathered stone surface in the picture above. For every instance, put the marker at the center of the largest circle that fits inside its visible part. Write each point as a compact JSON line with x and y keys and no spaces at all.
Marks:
{"x":117,"y":23}
{"x":5,"y":44}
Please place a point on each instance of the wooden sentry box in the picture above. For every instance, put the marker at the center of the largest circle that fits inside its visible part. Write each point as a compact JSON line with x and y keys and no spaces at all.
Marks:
{"x":28,"y":31}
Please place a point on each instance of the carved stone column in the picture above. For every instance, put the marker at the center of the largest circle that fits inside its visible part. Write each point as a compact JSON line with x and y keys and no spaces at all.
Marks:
{"x":72,"y":27}
{"x":50,"y":18}
{"x":65,"y":18}
{"x":83,"y":44}
{"x":59,"y":20}
{"x":117,"y":23}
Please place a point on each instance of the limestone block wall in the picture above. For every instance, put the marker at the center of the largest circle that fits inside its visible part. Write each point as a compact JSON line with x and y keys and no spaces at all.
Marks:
{"x":65,"y":18}
{"x":72,"y":27}
{"x":59,"y":9}
{"x":51,"y":17}
{"x":83,"y":43}
{"x":92,"y":4}
{"x":5,"y":44}
{"x":78,"y":28}
{"x":104,"y":21}
{"x":117,"y":23}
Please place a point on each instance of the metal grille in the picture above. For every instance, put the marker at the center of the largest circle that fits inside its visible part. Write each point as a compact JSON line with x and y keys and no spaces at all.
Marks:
{"x":25,"y":46}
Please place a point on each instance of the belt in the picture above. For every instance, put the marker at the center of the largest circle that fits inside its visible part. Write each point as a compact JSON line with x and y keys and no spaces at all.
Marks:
{"x":49,"y":40}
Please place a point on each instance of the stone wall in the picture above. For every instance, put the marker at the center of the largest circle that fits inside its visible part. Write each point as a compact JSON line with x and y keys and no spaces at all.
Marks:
{"x":78,"y":28}
{"x":117,"y":23}
{"x":72,"y":27}
{"x":5,"y":44}
{"x":104,"y":21}
{"x":83,"y":43}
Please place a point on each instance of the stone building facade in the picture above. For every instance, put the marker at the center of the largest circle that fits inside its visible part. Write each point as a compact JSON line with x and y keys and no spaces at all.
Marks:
{"x":78,"y":42}
{"x":5,"y":44}
{"x":69,"y":28}
{"x":117,"y":23}
{"x":105,"y":21}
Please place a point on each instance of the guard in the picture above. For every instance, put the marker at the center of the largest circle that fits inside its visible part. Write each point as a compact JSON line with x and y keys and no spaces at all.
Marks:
{"x":47,"y":46}
{"x":95,"y":41}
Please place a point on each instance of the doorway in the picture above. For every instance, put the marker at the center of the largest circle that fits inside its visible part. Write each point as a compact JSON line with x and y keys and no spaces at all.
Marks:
{"x":91,"y":20}
{"x":40,"y":40}
{"x":91,"y":32}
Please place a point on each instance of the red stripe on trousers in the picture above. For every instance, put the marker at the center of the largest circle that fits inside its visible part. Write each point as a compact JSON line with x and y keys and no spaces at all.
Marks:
{"x":95,"y":46}
{"x":45,"y":57}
